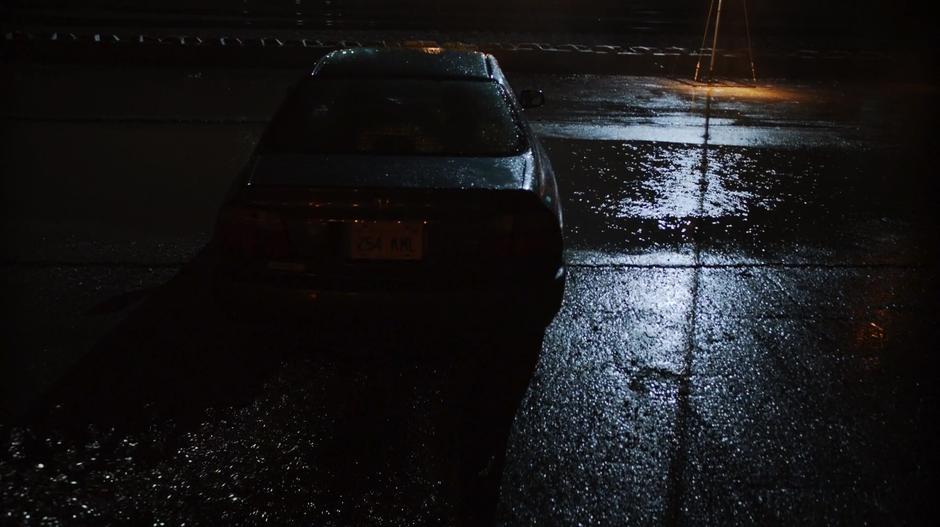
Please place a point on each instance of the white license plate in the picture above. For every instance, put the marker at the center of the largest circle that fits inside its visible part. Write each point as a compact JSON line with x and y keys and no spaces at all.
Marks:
{"x":386,"y":240}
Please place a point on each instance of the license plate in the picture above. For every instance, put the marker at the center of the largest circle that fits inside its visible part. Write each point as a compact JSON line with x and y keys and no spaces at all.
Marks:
{"x":386,"y":240}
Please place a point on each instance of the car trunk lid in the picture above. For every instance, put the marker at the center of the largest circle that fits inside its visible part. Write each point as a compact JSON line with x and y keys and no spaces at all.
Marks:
{"x":393,"y":172}
{"x":463,"y":232}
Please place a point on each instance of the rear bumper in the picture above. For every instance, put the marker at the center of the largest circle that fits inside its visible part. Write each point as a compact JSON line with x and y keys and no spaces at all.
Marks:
{"x":513,"y":303}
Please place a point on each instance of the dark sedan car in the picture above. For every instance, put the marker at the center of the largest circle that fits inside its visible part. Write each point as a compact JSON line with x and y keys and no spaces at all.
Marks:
{"x":400,"y":181}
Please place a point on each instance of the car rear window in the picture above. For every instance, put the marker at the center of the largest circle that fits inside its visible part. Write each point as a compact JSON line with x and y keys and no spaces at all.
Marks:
{"x":395,"y":117}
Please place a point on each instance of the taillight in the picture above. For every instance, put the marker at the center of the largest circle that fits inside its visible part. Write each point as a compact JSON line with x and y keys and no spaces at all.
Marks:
{"x":536,"y":234}
{"x":253,"y":232}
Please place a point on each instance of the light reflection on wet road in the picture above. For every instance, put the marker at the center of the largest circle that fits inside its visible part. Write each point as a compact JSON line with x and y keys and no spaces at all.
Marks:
{"x":743,"y":339}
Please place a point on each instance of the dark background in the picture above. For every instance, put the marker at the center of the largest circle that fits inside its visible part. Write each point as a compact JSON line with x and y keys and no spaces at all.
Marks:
{"x":901,"y":20}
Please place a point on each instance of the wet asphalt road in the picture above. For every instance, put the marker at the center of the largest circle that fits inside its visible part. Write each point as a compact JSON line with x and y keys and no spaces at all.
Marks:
{"x":747,"y":333}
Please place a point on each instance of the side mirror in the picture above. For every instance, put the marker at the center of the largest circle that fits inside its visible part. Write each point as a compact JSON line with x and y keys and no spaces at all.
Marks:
{"x":531,"y":98}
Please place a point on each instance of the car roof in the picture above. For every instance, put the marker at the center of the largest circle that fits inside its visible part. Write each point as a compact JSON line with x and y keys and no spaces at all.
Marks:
{"x":419,"y":63}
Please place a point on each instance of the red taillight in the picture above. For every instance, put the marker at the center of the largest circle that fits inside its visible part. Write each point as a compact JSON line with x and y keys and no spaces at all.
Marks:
{"x":535,"y":234}
{"x":253,"y":232}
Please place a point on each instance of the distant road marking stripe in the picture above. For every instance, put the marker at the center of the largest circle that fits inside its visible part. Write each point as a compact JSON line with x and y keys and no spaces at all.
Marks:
{"x":134,"y":120}
{"x":65,"y":263}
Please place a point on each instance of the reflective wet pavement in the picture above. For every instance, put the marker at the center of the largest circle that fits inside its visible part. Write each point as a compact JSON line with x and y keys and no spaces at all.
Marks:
{"x":746,"y":335}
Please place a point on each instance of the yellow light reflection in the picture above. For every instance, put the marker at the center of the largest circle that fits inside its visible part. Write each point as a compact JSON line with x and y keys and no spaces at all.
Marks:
{"x":870,"y":336}
{"x":740,"y":92}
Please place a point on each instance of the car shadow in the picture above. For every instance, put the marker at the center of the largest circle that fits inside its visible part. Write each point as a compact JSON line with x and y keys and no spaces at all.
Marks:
{"x":388,"y":421}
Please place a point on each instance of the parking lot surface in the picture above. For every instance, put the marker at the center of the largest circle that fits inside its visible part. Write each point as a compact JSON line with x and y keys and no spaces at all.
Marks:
{"x":746,"y":337}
